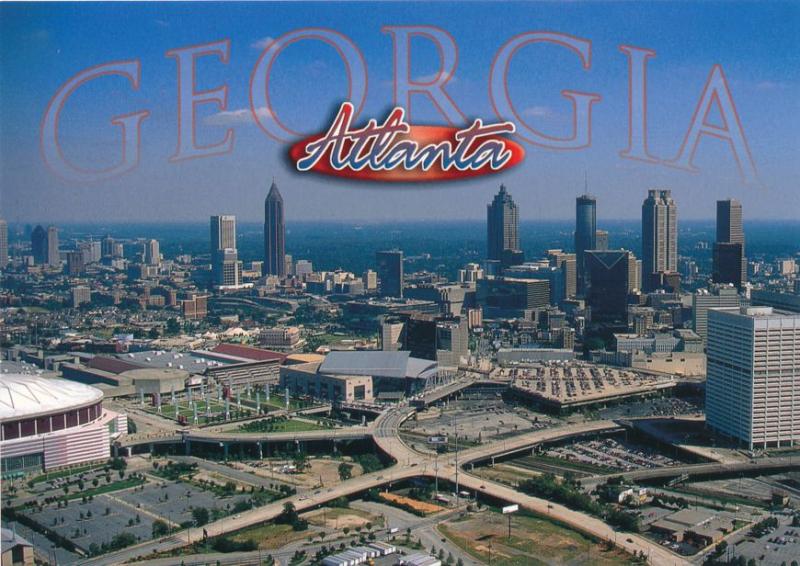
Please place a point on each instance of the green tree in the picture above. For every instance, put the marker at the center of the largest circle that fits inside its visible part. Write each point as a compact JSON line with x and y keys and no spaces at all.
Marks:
{"x":200,"y":516}
{"x":160,"y":528}
{"x":345,"y":471}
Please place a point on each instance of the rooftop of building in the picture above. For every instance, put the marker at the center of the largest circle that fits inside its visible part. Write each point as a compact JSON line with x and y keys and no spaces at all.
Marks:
{"x":29,"y":395}
{"x":377,"y":364}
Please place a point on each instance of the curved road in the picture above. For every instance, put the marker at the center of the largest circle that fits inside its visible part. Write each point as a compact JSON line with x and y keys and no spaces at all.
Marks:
{"x":410,"y":463}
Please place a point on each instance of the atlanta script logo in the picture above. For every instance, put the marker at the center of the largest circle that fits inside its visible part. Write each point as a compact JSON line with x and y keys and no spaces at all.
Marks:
{"x":396,"y":151}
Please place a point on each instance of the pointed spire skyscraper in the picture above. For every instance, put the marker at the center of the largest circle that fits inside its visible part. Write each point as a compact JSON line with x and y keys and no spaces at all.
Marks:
{"x":274,"y":234}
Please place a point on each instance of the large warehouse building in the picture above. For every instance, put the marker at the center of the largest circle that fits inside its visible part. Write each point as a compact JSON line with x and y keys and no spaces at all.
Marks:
{"x":52,"y":423}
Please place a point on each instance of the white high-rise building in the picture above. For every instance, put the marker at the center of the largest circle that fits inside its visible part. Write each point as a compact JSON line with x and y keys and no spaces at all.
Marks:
{"x":753,"y":385}
{"x":725,"y":296}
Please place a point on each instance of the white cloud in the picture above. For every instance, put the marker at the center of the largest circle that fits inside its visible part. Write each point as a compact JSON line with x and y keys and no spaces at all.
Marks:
{"x":263,"y":43}
{"x":537,"y":112}
{"x":236,"y":117}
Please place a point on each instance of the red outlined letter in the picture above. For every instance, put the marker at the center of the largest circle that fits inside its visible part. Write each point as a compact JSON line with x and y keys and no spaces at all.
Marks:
{"x":189,"y":98}
{"x":637,"y":104}
{"x":716,"y":91}
{"x":130,"y":124}
{"x":404,"y":87}
{"x":259,"y":81}
{"x":581,"y":101}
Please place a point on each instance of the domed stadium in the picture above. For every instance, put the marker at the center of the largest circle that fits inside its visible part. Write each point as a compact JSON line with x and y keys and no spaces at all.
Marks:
{"x":51,"y":423}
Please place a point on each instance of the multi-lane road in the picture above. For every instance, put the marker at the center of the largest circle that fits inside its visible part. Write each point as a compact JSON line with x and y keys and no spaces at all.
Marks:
{"x":410,"y":463}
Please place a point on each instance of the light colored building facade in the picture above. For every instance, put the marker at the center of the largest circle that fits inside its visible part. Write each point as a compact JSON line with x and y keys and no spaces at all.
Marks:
{"x":753,"y":384}
{"x":719,"y":296}
{"x":659,"y":235}
{"x":52,"y":423}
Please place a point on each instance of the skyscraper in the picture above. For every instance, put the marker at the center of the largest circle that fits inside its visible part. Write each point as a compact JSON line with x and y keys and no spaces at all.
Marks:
{"x":53,"y":256}
{"x":753,"y":383}
{"x":39,"y":245}
{"x":611,"y":275}
{"x":3,"y":244}
{"x":223,"y":232}
{"x":390,"y":273}
{"x":274,"y":234}
{"x":707,"y":299}
{"x":152,"y":253}
{"x":502,"y":223}
{"x":659,"y":237}
{"x":225,"y":265}
{"x":585,"y":235}
{"x":730,"y":264}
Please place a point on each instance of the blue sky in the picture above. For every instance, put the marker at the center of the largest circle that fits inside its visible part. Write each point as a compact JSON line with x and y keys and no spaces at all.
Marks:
{"x":42,"y":46}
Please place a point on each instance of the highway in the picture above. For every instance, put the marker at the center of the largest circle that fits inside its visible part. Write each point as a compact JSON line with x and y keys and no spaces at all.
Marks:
{"x":410,"y":463}
{"x":413,"y":464}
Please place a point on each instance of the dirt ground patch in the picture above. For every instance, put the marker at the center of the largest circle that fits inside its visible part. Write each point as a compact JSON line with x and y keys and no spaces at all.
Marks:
{"x":324,"y":468}
{"x":421,"y":506}
{"x":340,"y":518}
{"x":533,"y":541}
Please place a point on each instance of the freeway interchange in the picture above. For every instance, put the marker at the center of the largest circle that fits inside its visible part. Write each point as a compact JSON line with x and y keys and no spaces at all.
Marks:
{"x":410,"y":463}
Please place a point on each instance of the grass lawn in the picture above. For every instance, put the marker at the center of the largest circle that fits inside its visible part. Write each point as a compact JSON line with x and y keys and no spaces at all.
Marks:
{"x":533,"y":541}
{"x":64,"y":473}
{"x":106,"y":488}
{"x":291,"y":425}
{"x":270,"y":536}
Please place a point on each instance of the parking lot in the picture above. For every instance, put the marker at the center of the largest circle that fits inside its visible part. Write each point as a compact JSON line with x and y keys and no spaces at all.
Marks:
{"x":478,"y":420}
{"x":780,"y":546}
{"x":612,"y":453}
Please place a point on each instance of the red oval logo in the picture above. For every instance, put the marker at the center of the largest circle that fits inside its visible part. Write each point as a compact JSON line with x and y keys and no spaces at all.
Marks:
{"x":398,"y":152}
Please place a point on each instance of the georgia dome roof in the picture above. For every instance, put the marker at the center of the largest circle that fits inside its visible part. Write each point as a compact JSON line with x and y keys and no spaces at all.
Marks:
{"x":27,"y":395}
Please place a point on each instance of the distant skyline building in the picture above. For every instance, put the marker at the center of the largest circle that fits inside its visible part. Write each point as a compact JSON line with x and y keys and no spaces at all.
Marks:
{"x":225,"y":265}
{"x":502,"y":224}
{"x":753,"y":375}
{"x":659,"y":237}
{"x":39,"y":245}
{"x":611,"y":276}
{"x":3,"y":244}
{"x":53,"y":258}
{"x":152,"y":253}
{"x":390,"y":272}
{"x":729,"y":261}
{"x":274,"y":233}
{"x":601,"y":239}
{"x":585,"y":234}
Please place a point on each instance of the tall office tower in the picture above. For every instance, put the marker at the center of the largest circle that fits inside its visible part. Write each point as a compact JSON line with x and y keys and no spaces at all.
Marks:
{"x":370,"y":280}
{"x":753,"y":383}
{"x":152,"y":253}
{"x":75,"y":262}
{"x":390,"y":273}
{"x":717,"y":296}
{"x":53,"y":256}
{"x":568,"y":264}
{"x":659,"y":237}
{"x":3,"y":244}
{"x":611,"y":275}
{"x":107,"y":247}
{"x":601,"y":238}
{"x":225,"y":267}
{"x":585,"y":235}
{"x":502,"y":223}
{"x":39,"y":245}
{"x":274,"y":234}
{"x":223,"y":232}
{"x":730,"y":264}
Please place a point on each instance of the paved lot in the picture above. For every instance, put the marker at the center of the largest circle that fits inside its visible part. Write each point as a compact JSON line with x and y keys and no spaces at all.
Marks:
{"x":780,"y":546}
{"x":174,"y":501}
{"x":94,"y":522}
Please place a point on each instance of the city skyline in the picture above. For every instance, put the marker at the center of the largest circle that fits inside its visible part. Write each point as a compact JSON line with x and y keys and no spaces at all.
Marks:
{"x":761,"y":76}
